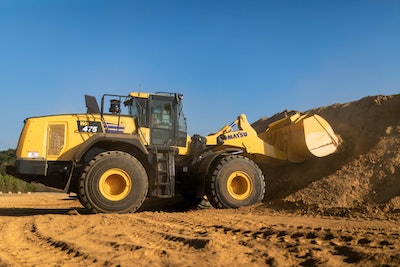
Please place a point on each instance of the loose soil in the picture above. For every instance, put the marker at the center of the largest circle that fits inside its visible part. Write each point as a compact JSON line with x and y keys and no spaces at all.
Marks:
{"x":340,"y":210}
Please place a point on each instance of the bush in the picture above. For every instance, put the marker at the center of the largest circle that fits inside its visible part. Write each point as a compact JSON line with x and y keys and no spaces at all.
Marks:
{"x":9,"y":183}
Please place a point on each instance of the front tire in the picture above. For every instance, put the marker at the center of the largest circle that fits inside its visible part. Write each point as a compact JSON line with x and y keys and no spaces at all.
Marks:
{"x":113,"y":182}
{"x":235,"y":181}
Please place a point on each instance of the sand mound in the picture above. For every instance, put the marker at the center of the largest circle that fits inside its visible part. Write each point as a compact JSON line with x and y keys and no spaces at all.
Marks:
{"x":365,"y":171}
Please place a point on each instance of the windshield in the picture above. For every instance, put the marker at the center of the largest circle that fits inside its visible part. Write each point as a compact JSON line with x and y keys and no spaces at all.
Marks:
{"x":182,"y":127}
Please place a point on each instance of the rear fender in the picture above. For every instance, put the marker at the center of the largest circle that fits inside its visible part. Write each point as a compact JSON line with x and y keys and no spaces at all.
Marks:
{"x":130,"y":140}
{"x":130,"y":144}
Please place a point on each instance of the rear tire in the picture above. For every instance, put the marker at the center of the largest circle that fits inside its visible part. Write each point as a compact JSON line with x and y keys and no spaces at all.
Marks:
{"x":235,"y":181}
{"x":113,"y":182}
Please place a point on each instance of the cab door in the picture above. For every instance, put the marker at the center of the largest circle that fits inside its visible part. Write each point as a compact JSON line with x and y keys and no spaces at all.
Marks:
{"x":162,"y":121}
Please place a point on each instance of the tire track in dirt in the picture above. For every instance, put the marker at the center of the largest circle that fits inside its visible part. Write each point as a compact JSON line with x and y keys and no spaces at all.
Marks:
{"x":283,"y":245}
{"x":220,"y":238}
{"x":76,"y":235}
{"x":304,"y":241}
{"x":21,"y":245}
{"x":123,"y":238}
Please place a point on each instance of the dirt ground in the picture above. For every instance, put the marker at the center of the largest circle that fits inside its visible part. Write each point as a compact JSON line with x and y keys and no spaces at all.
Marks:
{"x":50,"y":229}
{"x":342,"y":210}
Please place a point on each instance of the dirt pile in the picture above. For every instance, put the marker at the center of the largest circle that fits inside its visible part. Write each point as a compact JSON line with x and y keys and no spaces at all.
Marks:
{"x":365,"y":171}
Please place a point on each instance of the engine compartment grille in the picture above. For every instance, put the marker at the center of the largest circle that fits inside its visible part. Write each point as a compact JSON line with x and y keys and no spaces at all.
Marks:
{"x":56,"y":139}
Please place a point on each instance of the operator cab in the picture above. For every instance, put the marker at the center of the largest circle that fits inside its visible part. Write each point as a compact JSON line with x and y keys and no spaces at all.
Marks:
{"x":163,"y":114}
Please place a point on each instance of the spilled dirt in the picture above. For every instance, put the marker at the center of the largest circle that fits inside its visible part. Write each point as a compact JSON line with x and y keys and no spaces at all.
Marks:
{"x":342,"y":210}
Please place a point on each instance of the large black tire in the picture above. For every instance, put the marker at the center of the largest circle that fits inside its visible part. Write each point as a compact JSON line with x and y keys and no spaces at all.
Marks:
{"x":113,"y":182}
{"x":235,"y":181}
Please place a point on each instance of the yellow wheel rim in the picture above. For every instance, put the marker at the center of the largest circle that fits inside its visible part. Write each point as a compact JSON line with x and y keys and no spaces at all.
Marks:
{"x":239,"y":185}
{"x":115,"y":184}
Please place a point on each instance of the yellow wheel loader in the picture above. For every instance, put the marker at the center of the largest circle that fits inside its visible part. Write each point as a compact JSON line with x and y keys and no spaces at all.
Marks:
{"x":137,"y":148}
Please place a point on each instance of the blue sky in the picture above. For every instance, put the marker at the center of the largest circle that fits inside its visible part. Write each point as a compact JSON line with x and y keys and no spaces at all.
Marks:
{"x":227,"y":57}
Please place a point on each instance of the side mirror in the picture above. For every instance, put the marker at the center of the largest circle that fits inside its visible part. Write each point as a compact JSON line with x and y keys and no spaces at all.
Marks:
{"x":115,"y":106}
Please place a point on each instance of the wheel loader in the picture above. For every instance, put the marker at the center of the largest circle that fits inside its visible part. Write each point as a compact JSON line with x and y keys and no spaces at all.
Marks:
{"x":137,"y":148}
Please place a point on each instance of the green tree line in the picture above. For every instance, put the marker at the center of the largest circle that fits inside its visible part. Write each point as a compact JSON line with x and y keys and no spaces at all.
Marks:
{"x":9,"y":183}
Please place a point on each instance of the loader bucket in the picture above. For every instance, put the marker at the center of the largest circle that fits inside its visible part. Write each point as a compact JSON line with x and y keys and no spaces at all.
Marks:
{"x":301,"y":137}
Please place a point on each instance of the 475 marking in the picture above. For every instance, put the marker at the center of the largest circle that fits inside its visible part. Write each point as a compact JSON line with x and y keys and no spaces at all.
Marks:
{"x":89,"y":126}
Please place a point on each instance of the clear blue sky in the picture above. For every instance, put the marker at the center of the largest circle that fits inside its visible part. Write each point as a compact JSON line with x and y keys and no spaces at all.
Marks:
{"x":256,"y":57}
